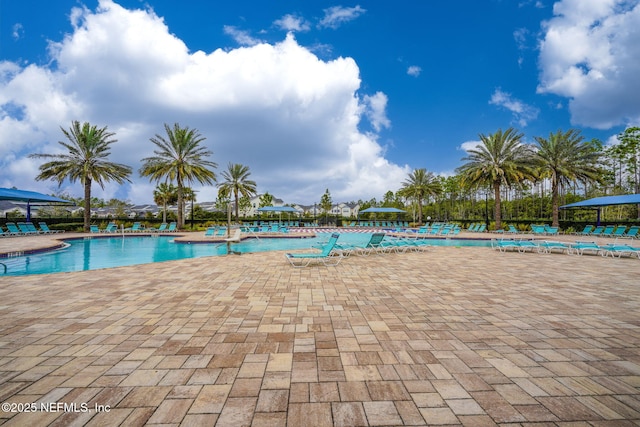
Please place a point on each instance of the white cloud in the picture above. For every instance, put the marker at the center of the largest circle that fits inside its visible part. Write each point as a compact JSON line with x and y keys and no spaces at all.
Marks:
{"x":376,"y":106}
{"x":469,"y":145}
{"x":17,"y":31}
{"x":338,"y":15}
{"x":292,"y":23}
{"x":522,"y":113}
{"x":520,"y":35}
{"x":242,"y":37}
{"x":414,"y":70}
{"x":590,"y":53}
{"x":537,"y":4}
{"x":291,"y":117}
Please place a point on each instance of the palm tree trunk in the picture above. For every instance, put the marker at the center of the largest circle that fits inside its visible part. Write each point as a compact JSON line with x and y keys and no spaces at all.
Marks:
{"x":554,"y":204}
{"x":498,"y":207}
{"x":87,"y":205}
{"x":180,"y":203}
{"x":235,"y":193}
{"x":420,"y":210}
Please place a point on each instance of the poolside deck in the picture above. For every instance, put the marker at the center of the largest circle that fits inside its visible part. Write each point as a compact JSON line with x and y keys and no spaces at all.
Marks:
{"x":452,"y":336}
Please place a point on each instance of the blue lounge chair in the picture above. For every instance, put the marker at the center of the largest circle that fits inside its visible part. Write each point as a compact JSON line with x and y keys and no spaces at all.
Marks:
{"x":211,"y":231}
{"x":112,"y":227}
{"x":512,"y":229}
{"x":24,"y":229}
{"x":94,"y":229}
{"x":608,"y":230}
{"x":597,"y":231}
{"x":411,"y":244}
{"x":32,"y":228}
{"x":45,"y":228}
{"x":482,"y":228}
{"x":503,"y":245}
{"x":579,"y":248}
{"x":528,"y":245}
{"x":586,"y":231}
{"x":136,"y":227}
{"x":445,"y":230}
{"x":619,"y":231}
{"x":547,"y":247}
{"x":538,"y":229}
{"x":373,"y":245}
{"x":6,"y":233}
{"x":394,"y":244}
{"x":162,"y":228}
{"x":551,"y":230}
{"x":13,"y":229}
{"x":632,"y":232}
{"x":435,"y":229}
{"x":326,"y":256}
{"x":620,"y":250}
{"x":515,"y":245}
{"x":172,"y":227}
{"x":422,"y":231}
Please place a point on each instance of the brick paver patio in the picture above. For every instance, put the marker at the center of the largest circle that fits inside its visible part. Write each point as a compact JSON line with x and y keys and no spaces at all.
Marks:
{"x":451,"y":336}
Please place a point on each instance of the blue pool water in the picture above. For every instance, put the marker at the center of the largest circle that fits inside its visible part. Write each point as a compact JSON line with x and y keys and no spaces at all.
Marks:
{"x":97,"y":253}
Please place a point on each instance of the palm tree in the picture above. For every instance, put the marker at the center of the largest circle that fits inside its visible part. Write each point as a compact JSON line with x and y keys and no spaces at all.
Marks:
{"x":419,"y":185}
{"x":165,"y":194}
{"x":236,"y":181}
{"x":565,"y":158}
{"x":180,"y":157}
{"x":500,"y":159}
{"x":88,"y":148}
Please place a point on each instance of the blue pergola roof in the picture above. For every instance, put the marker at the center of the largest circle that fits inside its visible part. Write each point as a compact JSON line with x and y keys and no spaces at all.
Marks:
{"x":277,"y":209}
{"x":626,"y":199}
{"x":30,"y":197}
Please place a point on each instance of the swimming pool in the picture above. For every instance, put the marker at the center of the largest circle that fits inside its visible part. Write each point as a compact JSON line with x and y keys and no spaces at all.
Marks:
{"x":106,"y":252}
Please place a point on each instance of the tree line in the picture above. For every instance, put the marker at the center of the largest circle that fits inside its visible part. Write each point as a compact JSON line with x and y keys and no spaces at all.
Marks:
{"x":501,"y":165}
{"x":179,"y":157}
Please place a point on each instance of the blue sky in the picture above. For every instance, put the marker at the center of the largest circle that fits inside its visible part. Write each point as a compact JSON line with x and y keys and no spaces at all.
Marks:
{"x":311,"y":94}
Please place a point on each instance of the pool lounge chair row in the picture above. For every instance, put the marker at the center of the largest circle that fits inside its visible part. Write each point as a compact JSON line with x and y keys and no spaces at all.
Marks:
{"x":615,"y":249}
{"x":611,"y":231}
{"x":288,"y":224}
{"x":112,"y":227}
{"x":381,"y":243}
{"x":26,"y":229}
{"x":380,"y":224}
{"x":217,"y":232}
{"x":544,"y":230}
{"x":332,"y":252}
{"x":477,"y":228}
{"x":438,"y":230}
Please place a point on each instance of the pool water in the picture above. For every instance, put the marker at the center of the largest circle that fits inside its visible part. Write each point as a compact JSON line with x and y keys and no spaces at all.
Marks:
{"x":97,"y":253}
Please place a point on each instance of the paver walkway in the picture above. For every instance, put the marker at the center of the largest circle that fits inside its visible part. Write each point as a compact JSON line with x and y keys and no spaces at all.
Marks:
{"x":452,"y":336}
